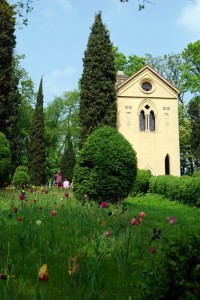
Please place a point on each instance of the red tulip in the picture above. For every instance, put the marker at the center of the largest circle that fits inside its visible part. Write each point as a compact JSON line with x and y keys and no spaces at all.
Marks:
{"x":19,"y":219}
{"x":66,"y":195}
{"x":104,"y":204}
{"x":152,"y":250}
{"x":134,"y":221}
{"x":141,"y":214}
{"x":53,"y":212}
{"x":21,"y":196}
{"x":15,"y":209}
{"x":43,"y":273}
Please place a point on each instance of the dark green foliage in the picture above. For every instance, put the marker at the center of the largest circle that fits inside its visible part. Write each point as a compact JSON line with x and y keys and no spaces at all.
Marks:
{"x":194,"y":115}
{"x":5,"y":159}
{"x":177,"y":274}
{"x":68,"y":160}
{"x":7,"y":45}
{"x":21,"y":176}
{"x":98,"y":105}
{"x":106,"y":167}
{"x":36,"y":151}
{"x":141,"y":184}
{"x":9,"y":96}
{"x":184,"y":189}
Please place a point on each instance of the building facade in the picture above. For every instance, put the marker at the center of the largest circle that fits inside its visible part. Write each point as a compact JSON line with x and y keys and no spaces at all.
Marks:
{"x":147,"y":117}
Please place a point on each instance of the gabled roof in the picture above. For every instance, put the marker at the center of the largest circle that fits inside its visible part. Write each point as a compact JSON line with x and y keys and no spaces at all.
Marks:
{"x":156,"y":74}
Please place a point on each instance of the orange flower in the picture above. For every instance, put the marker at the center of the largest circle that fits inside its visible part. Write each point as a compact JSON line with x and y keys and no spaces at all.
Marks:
{"x":43,"y":273}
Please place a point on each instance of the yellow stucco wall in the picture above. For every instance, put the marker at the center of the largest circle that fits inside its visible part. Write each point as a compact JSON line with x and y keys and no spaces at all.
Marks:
{"x":151,"y":146}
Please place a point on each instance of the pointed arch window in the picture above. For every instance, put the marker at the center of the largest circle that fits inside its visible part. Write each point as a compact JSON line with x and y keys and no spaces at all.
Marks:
{"x":167,"y":165}
{"x":142,"y":121}
{"x":147,"y":119}
{"x":151,"y":121}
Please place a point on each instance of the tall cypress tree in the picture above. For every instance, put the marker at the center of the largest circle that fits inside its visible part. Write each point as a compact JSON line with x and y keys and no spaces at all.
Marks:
{"x":68,"y":160}
{"x":9,"y":95}
{"x":98,"y":105}
{"x":36,"y":151}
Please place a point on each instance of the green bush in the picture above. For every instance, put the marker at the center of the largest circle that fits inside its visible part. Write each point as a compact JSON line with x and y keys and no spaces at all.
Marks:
{"x":159,"y":184}
{"x":5,"y":159}
{"x":196,"y":174}
{"x":106,"y":167}
{"x":22,"y":168}
{"x":184,"y":189}
{"x":141,"y":184}
{"x":21,"y":176}
{"x":177,"y":274}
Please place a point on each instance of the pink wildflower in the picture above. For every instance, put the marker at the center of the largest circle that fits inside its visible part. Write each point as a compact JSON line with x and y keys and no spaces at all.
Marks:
{"x":108,"y":233}
{"x":171,"y":220}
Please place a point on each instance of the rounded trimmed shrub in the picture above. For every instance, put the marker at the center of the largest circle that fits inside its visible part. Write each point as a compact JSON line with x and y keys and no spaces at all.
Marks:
{"x":106,"y":167}
{"x":5,"y":159}
{"x":21,"y":176}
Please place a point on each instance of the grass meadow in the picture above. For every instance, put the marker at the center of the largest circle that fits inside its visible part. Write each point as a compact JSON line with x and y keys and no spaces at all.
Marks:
{"x":91,"y":251}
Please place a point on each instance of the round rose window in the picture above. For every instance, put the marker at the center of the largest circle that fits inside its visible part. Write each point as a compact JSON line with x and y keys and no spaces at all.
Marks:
{"x":146,"y":86}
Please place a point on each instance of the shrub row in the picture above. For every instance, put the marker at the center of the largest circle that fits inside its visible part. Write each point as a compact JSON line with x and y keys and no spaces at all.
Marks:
{"x":141,"y":184}
{"x":184,"y":189}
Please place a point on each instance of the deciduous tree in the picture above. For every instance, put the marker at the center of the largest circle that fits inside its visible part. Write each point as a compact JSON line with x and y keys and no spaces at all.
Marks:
{"x":194,"y":115}
{"x":191,"y":68}
{"x":61,"y":117}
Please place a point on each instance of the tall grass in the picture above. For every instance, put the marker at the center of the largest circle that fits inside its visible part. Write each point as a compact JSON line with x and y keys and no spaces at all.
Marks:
{"x":114,"y":255}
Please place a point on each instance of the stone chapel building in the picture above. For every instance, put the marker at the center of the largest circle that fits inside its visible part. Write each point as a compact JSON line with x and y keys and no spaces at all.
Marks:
{"x":147,"y":116}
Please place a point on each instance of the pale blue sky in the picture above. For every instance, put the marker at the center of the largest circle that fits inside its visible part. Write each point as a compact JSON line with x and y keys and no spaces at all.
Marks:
{"x":57,"y":33}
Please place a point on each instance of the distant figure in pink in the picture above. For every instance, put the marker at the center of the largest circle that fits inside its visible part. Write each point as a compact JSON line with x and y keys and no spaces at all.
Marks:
{"x":66,"y":184}
{"x":58,"y":178}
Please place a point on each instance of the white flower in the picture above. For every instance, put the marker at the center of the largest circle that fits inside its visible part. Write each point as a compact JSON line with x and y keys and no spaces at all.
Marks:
{"x":38,"y":222}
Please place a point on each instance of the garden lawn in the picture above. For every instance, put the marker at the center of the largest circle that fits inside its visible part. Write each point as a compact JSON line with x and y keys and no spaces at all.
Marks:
{"x":92,"y":252}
